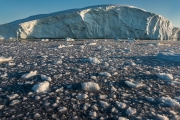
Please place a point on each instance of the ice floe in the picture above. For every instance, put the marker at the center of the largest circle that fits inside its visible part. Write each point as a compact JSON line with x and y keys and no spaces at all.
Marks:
{"x":28,"y":75}
{"x":41,"y":87}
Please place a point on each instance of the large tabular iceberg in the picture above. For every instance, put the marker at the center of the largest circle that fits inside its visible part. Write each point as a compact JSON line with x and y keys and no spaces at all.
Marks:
{"x":105,"y":21}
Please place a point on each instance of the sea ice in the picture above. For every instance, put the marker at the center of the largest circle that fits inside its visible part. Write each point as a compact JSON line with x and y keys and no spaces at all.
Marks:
{"x":90,"y":86}
{"x":14,"y":102}
{"x":130,"y":111}
{"x":3,"y":59}
{"x":104,"y":104}
{"x":134,"y":84}
{"x":13,"y":96}
{"x":94,"y":60}
{"x":41,"y":87}
{"x":168,"y":56}
{"x":62,"y":109}
{"x":28,"y":75}
{"x":69,"y":39}
{"x":165,"y":76}
{"x":82,"y":96}
{"x":169,"y":101}
{"x":162,"y":117}
{"x":105,"y":74}
{"x":45,"y":78}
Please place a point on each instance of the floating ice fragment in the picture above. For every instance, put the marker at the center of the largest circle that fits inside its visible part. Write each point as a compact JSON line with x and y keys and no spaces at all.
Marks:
{"x":93,"y":60}
{"x":130,"y":111}
{"x":3,"y":59}
{"x":121,"y":105}
{"x":93,"y":114}
{"x":37,"y":115}
{"x":62,"y":109}
{"x":122,"y":118}
{"x":1,"y":107}
{"x":90,"y":86}
{"x":104,"y":104}
{"x":13,"y":96}
{"x":82,"y":96}
{"x":45,"y":78}
{"x":92,"y":44}
{"x":169,"y":101}
{"x":105,"y":74}
{"x":165,"y":76}
{"x":14,"y":102}
{"x":69,"y":39}
{"x":162,"y":117}
{"x":41,"y":87}
{"x":134,"y":84}
{"x":28,"y":75}
{"x":168,"y":56}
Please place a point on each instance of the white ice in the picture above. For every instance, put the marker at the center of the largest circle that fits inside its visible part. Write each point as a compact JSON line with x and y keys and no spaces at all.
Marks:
{"x":90,"y":86}
{"x":41,"y":87}
{"x":165,"y":76}
{"x":28,"y":75}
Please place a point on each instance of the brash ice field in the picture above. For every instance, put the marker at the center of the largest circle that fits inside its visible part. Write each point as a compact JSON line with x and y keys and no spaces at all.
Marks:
{"x":90,"y":79}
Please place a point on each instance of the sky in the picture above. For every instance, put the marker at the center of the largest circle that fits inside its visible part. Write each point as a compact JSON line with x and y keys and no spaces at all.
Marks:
{"x":11,"y":10}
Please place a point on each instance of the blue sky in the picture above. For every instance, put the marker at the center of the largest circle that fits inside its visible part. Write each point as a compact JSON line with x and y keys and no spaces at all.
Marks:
{"x":11,"y":10}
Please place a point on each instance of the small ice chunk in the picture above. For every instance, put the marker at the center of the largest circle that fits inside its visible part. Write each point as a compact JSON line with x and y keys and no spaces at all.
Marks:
{"x":82,"y":96}
{"x":13,"y":96}
{"x":86,"y":106}
{"x":168,"y":56}
{"x":60,"y":89}
{"x":130,"y":111}
{"x":104,"y":104}
{"x":105,"y":74}
{"x":90,"y":86}
{"x":1,"y":107}
{"x":131,"y":63}
{"x":93,"y":114}
{"x":44,"y":77}
{"x":122,"y":118}
{"x":14,"y":102}
{"x":45,"y":40}
{"x":103,"y":96}
{"x":162,"y":117}
{"x":41,"y":87}
{"x":94,"y":107}
{"x":134,"y":84}
{"x":121,"y":105}
{"x":94,"y":60}
{"x":62,"y":109}
{"x":178,"y":99}
{"x":165,"y":76}
{"x":3,"y":59}
{"x":169,"y":101}
{"x":92,"y":44}
{"x":150,"y":99}
{"x":93,"y":77}
{"x":28,"y":75}
{"x":37,"y":115}
{"x":69,"y":39}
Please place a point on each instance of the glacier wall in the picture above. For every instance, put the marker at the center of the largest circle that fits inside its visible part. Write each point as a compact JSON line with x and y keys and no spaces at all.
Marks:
{"x":106,"y":21}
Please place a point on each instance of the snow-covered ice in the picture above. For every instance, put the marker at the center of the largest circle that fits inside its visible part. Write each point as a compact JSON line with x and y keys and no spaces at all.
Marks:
{"x":41,"y":87}
{"x":3,"y":59}
{"x":28,"y":75}
{"x":90,"y":86}
{"x":165,"y":76}
{"x":168,"y":56}
{"x":94,"y":60}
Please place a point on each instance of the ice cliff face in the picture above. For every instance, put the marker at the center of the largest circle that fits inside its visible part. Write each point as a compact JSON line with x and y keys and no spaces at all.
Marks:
{"x":106,"y":21}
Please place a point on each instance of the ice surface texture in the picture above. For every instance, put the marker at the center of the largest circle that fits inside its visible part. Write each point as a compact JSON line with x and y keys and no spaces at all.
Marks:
{"x":105,"y":21}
